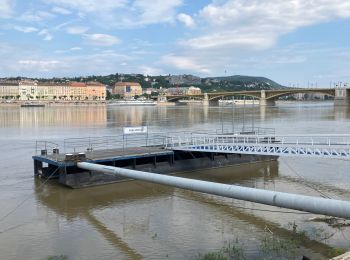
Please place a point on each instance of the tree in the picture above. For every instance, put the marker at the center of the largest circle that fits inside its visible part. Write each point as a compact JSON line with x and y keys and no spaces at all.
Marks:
{"x":108,"y":95}
{"x":115,"y":96}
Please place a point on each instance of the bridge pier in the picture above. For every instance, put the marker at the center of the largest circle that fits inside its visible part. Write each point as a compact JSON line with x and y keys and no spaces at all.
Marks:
{"x":267,"y":102}
{"x":162,"y":99}
{"x":342,"y":97}
{"x":206,"y":100}
{"x":264,"y":101}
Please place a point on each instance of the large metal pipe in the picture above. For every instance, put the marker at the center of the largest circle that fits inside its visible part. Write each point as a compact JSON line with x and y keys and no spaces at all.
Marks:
{"x":329,"y":207}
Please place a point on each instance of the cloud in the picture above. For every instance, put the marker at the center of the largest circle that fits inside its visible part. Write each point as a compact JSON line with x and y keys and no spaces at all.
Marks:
{"x":156,"y":11}
{"x":232,"y":38}
{"x":90,"y":6}
{"x":187,"y":20}
{"x":101,"y":39}
{"x":46,"y":34}
{"x":259,"y":23}
{"x":25,"y":29}
{"x":123,"y":13}
{"x":77,"y":29}
{"x":60,"y":10}
{"x":6,"y":8}
{"x":75,"y":49}
{"x":241,"y":35}
{"x":147,"y":70}
{"x":40,"y":65}
{"x":35,"y":16}
{"x":184,"y":63}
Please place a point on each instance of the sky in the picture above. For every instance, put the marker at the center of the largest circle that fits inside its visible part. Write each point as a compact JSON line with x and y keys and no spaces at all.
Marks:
{"x":293,"y":42}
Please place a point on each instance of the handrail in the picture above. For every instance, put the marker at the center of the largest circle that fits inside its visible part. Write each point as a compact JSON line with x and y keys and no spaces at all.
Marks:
{"x":275,"y":140}
{"x":330,"y":146}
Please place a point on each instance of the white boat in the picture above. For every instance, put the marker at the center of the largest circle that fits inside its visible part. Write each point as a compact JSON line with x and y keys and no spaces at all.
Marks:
{"x":32,"y":104}
{"x":132,"y":103}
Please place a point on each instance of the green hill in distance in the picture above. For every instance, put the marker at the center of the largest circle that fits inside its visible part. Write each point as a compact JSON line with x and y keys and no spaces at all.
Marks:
{"x":238,"y":82}
{"x":208,"y":84}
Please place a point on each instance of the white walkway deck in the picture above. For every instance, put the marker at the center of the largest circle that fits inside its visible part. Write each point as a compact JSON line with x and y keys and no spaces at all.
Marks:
{"x":321,"y":146}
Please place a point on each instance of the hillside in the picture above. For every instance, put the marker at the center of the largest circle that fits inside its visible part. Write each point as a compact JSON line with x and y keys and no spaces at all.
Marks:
{"x":210,"y":84}
{"x":238,"y":82}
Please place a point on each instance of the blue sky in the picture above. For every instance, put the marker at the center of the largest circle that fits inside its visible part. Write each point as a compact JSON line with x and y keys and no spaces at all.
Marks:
{"x":294,"y":42}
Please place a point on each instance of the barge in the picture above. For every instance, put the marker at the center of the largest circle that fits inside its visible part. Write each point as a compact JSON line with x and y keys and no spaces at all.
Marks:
{"x":145,"y":154}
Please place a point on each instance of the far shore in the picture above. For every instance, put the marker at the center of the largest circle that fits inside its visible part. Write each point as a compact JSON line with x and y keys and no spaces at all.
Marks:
{"x":52,"y":103}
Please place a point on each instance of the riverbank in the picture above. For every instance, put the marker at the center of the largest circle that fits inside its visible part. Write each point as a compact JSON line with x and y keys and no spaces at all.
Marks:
{"x":53,"y":103}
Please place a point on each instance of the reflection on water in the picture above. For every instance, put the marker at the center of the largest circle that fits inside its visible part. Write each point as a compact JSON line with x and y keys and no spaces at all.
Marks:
{"x":24,"y":117}
{"x":134,"y":220}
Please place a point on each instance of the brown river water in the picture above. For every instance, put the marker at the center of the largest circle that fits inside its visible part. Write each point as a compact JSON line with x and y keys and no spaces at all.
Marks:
{"x":138,"y":220}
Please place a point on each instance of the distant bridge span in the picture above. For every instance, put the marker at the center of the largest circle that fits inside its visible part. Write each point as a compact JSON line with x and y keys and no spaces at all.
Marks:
{"x":265,"y":96}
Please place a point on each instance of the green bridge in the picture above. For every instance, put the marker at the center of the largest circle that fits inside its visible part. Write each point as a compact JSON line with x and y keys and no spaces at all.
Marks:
{"x":266,"y":97}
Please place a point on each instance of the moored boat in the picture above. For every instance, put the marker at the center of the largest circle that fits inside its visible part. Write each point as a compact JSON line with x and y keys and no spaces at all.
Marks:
{"x":30,"y":104}
{"x":133,"y":103}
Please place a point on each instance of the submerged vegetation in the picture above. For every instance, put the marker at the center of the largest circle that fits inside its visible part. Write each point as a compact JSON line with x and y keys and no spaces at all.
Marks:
{"x":272,"y":246}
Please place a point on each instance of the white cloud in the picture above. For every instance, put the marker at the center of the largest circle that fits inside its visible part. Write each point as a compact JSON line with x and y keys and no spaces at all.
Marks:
{"x":75,"y":49}
{"x":187,"y":20}
{"x":25,"y":29}
{"x":123,"y":13}
{"x":184,"y":63}
{"x":46,"y":34}
{"x":61,"y":10}
{"x":259,"y":23}
{"x":77,"y":29}
{"x":88,"y":6}
{"x":35,"y":16}
{"x":246,"y":39}
{"x":147,"y":70}
{"x":5,"y":8}
{"x":230,"y":32}
{"x":40,"y":65}
{"x":101,"y":39}
{"x":155,"y":11}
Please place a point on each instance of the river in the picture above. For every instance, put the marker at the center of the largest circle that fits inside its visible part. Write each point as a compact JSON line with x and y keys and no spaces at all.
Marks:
{"x":137,"y":220}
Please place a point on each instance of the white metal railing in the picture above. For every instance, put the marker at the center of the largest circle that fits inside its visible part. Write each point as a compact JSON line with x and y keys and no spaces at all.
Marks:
{"x":330,"y":146}
{"x":112,"y":142}
{"x":48,"y":146}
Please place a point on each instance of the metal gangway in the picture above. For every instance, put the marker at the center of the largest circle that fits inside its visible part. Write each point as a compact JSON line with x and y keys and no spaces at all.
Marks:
{"x":319,"y":146}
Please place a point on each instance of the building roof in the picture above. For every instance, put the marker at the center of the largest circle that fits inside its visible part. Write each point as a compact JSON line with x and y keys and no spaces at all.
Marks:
{"x":76,"y":84}
{"x":127,"y":84}
{"x":50,"y":83}
{"x":94,"y":83}
{"x":9,"y":83}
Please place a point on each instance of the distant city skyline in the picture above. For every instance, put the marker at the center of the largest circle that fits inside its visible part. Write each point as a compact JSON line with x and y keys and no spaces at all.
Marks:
{"x":291,"y":42}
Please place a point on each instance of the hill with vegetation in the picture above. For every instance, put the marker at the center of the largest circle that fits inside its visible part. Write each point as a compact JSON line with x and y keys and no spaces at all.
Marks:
{"x":209,"y":84}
